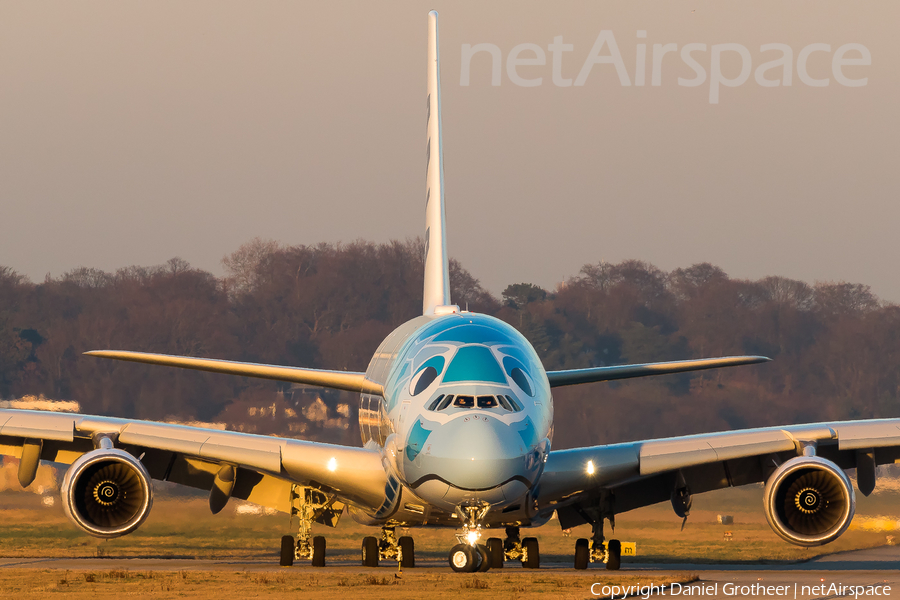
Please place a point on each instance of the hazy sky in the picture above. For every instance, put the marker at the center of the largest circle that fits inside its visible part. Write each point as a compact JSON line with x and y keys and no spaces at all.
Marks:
{"x":134,"y":132}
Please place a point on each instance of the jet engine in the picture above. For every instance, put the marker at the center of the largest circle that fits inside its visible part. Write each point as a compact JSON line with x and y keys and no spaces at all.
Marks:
{"x":107,"y":492}
{"x":809,"y":501}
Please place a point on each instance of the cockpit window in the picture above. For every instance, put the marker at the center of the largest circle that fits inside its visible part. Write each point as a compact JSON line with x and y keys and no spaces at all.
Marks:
{"x":505,"y":402}
{"x":515,"y":404}
{"x":487,"y":402}
{"x":464,"y":401}
{"x":435,"y":402}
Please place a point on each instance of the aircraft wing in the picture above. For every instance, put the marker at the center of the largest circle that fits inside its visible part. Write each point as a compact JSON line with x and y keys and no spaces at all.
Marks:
{"x":631,"y":475}
{"x":575,"y":376}
{"x":266,"y":466}
{"x":340,"y":380}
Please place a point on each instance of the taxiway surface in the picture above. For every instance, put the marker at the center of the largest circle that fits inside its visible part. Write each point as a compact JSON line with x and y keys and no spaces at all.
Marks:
{"x":875,"y":569}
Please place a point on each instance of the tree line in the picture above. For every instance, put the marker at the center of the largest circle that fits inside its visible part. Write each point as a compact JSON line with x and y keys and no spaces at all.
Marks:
{"x":836,"y":346}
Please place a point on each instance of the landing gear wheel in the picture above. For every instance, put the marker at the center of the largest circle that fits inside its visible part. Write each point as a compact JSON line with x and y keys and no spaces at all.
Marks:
{"x":495,"y":552}
{"x":462,"y":558}
{"x":407,"y":552}
{"x":532,"y":553}
{"x":370,"y":552}
{"x":485,"y":558}
{"x":318,"y":547}
{"x":582,"y":554}
{"x":287,"y":551}
{"x":614,"y":561}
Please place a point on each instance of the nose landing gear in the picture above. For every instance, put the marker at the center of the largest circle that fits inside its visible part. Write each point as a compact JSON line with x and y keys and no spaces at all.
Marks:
{"x":468,"y":559}
{"x":469,"y":556}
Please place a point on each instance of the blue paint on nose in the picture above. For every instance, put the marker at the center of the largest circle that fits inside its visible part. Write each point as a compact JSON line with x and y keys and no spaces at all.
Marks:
{"x":527,"y":432}
{"x":416,"y":440}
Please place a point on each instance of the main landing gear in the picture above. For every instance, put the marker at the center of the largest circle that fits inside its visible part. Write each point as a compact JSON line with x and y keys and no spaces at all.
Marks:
{"x":389,"y":547}
{"x":308,"y":505}
{"x":607,"y":552}
{"x":597,"y":550}
{"x":314,"y":551}
{"x":513,"y":547}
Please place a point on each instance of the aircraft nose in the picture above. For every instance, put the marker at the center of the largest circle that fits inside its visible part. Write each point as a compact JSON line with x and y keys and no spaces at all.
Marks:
{"x":480,"y":437}
{"x":476,"y":452}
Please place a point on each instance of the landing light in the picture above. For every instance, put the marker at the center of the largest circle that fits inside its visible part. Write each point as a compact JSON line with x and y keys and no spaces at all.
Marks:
{"x":332,"y":464}
{"x":590,"y":467}
{"x":473,"y":536}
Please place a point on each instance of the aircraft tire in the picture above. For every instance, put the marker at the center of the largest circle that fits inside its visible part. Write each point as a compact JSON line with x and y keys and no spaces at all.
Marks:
{"x":485,"y":564}
{"x":408,"y":550}
{"x":614,"y":562}
{"x":462,"y":558}
{"x":495,"y":552}
{"x":582,"y":554}
{"x":318,"y":555}
{"x":532,"y":550}
{"x":287,"y":551}
{"x":369,"y":552}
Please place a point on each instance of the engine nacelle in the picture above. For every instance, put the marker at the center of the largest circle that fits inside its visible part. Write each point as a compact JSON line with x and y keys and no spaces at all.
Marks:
{"x":107,"y":493}
{"x":809,"y":501}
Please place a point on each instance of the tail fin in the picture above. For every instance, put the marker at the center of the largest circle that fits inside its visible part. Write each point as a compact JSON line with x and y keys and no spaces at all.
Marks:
{"x":437,"y":267}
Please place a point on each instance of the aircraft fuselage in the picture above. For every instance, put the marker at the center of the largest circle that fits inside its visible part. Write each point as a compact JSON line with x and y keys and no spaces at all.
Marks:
{"x":466,"y":419}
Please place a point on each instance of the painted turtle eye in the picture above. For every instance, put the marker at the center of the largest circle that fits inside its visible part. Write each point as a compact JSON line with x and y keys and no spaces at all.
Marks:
{"x":517,"y":373}
{"x":421,"y":381}
{"x":428,"y":372}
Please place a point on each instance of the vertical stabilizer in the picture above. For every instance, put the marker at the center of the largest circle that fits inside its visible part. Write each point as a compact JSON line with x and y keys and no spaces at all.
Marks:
{"x":437,"y":268}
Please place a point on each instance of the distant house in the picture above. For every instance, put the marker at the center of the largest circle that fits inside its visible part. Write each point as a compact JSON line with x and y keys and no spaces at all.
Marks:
{"x":41,"y":403}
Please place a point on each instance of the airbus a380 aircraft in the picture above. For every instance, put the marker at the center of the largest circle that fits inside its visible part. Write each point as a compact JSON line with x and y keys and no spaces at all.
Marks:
{"x":456,"y":416}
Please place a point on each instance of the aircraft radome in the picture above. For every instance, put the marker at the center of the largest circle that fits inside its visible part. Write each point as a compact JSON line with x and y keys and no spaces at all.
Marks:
{"x":456,"y":416}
